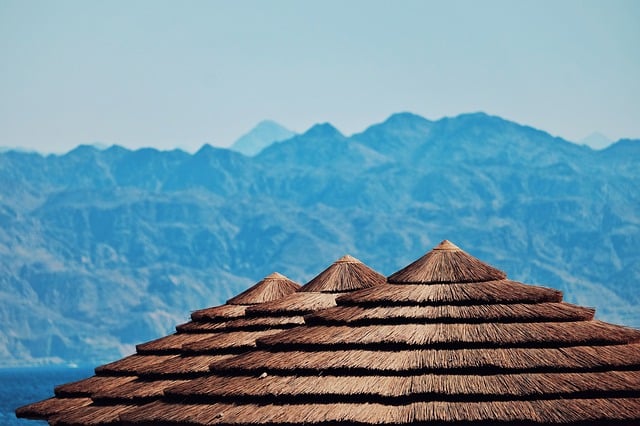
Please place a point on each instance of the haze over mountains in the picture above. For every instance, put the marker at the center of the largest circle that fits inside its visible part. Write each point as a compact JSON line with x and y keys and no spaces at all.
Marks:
{"x":264,"y":134}
{"x":103,"y":249}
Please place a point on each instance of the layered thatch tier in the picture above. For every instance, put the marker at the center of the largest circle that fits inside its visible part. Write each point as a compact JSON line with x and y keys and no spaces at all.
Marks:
{"x":213,"y":335}
{"x":449,"y":340}
{"x":575,"y":412}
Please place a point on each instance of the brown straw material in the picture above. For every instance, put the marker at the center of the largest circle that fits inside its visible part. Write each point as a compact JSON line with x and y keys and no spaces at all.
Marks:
{"x":272,"y":287}
{"x":346,"y":274}
{"x":219,"y":313}
{"x":252,"y":323}
{"x":547,"y":312}
{"x":503,"y":291}
{"x":515,"y":412}
{"x":295,"y":304}
{"x":274,"y":389}
{"x":87,"y":387}
{"x":446,"y":263}
{"x":91,"y":415}
{"x":539,"y":334}
{"x":409,"y":361}
{"x":47,"y":408}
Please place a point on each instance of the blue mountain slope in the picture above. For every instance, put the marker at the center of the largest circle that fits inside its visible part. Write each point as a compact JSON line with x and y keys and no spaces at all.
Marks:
{"x":103,"y":249}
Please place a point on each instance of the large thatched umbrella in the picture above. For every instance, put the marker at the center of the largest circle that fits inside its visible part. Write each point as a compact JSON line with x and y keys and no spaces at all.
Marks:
{"x":214,"y":340}
{"x":448,"y":341}
{"x":125,"y":382}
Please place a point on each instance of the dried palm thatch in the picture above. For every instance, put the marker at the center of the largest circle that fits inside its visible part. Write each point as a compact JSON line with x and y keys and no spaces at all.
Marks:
{"x":535,"y":412}
{"x":273,"y":287}
{"x":454,"y":361}
{"x":295,"y":304}
{"x":446,"y":263}
{"x":517,"y":312}
{"x":448,"y":341}
{"x":49,"y":407}
{"x":346,"y":274}
{"x":163,"y":358}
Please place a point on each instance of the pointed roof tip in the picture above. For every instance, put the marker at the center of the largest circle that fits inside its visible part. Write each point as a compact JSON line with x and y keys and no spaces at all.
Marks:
{"x":447,"y":245}
{"x":345,"y":274}
{"x":446,"y":263}
{"x":347,"y":259}
{"x":272,"y":287}
{"x":275,"y":276}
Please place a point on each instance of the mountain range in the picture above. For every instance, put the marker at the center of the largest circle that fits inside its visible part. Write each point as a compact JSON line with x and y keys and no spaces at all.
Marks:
{"x":103,"y":249}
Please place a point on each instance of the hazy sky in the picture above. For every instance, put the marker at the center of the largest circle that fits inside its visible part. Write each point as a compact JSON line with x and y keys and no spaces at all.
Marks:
{"x":182,"y":73}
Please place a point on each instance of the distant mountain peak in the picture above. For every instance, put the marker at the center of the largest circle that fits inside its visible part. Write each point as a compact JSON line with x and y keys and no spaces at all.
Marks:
{"x":596,"y":140}
{"x":261,"y":136}
{"x":323,"y":130}
{"x":405,"y":117}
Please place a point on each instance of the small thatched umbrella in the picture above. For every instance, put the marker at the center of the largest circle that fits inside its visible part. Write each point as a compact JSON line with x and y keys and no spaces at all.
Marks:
{"x":219,"y":341}
{"x":127,"y":382}
{"x":448,"y":341}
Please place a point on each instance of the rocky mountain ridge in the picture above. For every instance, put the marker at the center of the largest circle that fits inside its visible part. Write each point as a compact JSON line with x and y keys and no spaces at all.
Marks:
{"x":103,"y":249}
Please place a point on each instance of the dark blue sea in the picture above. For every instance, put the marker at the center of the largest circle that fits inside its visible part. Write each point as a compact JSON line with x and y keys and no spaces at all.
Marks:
{"x":20,"y":386}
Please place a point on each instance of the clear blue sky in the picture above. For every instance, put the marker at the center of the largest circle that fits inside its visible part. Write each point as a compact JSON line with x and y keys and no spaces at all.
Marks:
{"x":182,"y":73}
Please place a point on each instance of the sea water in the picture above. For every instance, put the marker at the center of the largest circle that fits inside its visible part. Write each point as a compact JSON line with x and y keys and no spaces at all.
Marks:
{"x":21,"y":386}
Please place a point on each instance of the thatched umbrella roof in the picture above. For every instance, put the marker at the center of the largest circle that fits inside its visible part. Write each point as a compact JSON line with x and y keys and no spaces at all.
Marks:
{"x":130,"y":380}
{"x":214,"y":334}
{"x":449,"y":340}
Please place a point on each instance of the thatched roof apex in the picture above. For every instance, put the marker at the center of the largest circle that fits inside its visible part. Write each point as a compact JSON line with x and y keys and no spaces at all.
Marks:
{"x":446,"y":263}
{"x":270,"y":288}
{"x":345,"y":274}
